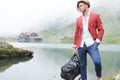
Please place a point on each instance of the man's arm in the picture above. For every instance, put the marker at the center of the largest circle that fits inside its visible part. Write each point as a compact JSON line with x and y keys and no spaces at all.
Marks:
{"x":100,"y":29}
{"x":76,"y":34}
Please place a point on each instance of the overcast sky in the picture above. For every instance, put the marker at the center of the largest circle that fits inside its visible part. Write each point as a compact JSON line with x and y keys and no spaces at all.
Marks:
{"x":17,"y":16}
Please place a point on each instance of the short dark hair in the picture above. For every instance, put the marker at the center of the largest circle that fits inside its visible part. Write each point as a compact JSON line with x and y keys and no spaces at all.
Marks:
{"x":82,"y":2}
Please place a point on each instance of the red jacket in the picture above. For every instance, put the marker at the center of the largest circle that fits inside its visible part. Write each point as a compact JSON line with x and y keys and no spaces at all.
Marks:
{"x":95,"y":28}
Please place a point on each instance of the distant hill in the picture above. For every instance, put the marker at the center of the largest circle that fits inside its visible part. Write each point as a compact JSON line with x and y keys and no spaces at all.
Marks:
{"x":110,"y":19}
{"x":111,"y":22}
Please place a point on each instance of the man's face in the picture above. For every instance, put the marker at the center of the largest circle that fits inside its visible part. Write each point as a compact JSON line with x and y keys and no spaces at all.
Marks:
{"x":82,"y":7}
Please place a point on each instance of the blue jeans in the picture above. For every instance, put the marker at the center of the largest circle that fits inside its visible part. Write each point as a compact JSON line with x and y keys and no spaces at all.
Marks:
{"x":94,"y":54}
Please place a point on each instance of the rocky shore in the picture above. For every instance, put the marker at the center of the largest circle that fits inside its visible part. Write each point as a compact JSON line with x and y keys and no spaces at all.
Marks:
{"x":9,"y":51}
{"x":113,"y":77}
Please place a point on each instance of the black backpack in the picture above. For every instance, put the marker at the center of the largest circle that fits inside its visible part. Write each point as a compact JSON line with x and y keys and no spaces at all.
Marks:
{"x":71,"y":69}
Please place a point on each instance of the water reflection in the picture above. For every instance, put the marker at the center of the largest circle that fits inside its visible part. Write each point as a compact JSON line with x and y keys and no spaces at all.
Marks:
{"x":48,"y":59}
{"x":7,"y":63}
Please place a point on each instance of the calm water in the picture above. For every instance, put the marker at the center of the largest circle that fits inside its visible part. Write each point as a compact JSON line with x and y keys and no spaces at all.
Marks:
{"x":48,"y":59}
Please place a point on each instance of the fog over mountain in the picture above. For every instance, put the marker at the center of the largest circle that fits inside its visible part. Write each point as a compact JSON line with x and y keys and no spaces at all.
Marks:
{"x":17,"y":16}
{"x":110,"y":5}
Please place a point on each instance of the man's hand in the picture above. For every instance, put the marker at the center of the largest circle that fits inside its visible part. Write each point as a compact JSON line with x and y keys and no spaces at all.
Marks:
{"x":75,"y":51}
{"x":98,"y":41}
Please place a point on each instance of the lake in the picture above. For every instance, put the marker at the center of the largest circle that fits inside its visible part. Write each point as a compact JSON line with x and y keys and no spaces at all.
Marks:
{"x":49,"y":57}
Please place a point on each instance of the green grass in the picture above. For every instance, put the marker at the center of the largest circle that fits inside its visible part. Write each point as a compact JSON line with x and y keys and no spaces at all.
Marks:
{"x":14,"y":52}
{"x":62,"y":36}
{"x":111,"y":39}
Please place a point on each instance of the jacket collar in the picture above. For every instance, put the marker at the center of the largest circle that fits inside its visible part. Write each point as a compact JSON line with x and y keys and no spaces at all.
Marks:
{"x":87,"y":14}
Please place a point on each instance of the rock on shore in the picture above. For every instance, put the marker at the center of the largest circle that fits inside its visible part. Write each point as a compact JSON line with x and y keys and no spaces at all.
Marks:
{"x":8,"y":51}
{"x":117,"y":77}
{"x":113,"y":77}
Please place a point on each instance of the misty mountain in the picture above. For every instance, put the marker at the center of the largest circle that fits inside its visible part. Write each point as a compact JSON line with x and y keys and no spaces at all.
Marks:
{"x":110,"y":14}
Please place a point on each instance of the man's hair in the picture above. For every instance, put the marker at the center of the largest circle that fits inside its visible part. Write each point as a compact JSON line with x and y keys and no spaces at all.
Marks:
{"x":82,"y":2}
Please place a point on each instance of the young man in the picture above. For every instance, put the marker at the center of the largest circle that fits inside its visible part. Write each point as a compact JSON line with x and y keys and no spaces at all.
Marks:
{"x":88,"y":35}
